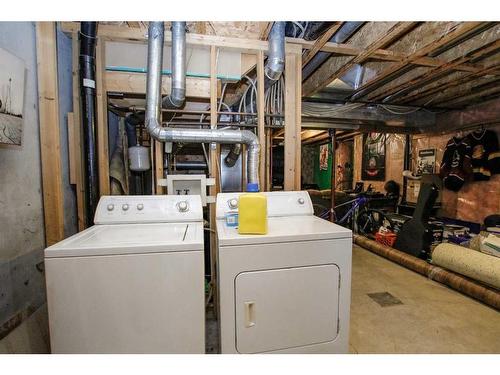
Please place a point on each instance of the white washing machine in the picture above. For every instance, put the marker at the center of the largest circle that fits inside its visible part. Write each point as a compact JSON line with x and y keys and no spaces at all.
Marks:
{"x":287,"y":291}
{"x":133,"y":282}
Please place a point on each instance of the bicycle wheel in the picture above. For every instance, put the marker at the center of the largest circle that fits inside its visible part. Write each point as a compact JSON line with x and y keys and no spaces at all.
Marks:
{"x":369,"y":222}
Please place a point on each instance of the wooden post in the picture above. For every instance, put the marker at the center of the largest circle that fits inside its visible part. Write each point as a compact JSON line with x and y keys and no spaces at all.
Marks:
{"x":77,"y":123}
{"x":102,"y":119}
{"x":298,"y":121}
{"x":48,"y":107}
{"x":292,"y":121}
{"x":214,"y":173}
{"x":332,"y":181}
{"x":260,"y":121}
{"x":158,"y":163}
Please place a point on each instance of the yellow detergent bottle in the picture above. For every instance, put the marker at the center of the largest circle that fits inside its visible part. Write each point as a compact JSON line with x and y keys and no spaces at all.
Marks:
{"x":252,"y":211}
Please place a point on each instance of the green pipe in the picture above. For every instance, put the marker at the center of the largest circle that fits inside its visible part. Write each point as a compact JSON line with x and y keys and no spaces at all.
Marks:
{"x":166,"y":72}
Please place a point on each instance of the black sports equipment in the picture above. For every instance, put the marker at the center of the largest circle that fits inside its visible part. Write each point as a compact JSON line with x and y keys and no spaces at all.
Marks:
{"x":415,"y":236}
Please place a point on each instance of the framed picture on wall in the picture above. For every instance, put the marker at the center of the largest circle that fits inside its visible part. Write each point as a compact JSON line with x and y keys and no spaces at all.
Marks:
{"x":373,"y":161}
{"x":11,"y":98}
{"x":426,"y":162}
{"x":323,"y":157}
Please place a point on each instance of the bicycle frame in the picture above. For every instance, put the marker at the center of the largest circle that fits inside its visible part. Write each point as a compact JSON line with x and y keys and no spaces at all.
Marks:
{"x":357,"y":203}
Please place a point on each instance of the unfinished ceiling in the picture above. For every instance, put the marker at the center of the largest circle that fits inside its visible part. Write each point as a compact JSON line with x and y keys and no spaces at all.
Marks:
{"x":360,"y":76}
{"x":443,"y":65}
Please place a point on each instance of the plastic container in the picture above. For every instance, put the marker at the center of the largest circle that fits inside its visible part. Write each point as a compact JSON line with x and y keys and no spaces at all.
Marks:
{"x":386,"y":239}
{"x":252,"y":211}
{"x":138,"y":157}
{"x":232,"y":219}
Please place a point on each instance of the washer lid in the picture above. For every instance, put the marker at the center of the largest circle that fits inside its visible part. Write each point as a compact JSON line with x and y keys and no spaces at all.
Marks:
{"x":284,"y":229}
{"x":117,"y":239}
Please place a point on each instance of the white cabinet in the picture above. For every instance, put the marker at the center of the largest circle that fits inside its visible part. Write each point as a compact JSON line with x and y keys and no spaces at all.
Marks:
{"x":285,"y":308}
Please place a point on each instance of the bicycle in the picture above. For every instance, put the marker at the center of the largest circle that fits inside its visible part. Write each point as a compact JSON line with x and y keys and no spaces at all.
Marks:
{"x":360,"y":218}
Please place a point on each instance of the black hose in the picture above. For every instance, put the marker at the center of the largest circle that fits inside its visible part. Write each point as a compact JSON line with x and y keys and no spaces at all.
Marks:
{"x":233,"y":155}
{"x":88,"y":38}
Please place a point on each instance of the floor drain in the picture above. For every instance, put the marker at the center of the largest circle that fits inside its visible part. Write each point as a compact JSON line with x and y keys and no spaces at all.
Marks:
{"x":385,"y":299}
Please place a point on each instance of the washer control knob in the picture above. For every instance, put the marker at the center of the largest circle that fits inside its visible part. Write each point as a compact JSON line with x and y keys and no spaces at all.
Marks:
{"x":140,"y":206}
{"x":182,"y":206}
{"x":233,"y":203}
{"x":125,"y":207}
{"x":301,"y":200}
{"x":111,"y":207}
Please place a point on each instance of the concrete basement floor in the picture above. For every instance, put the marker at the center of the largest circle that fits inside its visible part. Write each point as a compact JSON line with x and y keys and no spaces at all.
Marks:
{"x":430,"y":319}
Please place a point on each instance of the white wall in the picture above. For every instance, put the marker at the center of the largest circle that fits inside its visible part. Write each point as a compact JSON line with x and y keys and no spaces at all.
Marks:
{"x":21,"y":211}
{"x":22,"y":240}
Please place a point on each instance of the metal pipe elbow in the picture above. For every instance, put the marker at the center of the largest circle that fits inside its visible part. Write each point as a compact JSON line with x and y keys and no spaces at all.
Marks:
{"x":175,"y":99}
{"x":178,"y":91}
{"x":276,"y":59}
{"x":154,"y":129}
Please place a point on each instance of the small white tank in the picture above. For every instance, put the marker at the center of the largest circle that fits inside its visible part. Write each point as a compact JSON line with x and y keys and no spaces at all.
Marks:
{"x":138,"y":157}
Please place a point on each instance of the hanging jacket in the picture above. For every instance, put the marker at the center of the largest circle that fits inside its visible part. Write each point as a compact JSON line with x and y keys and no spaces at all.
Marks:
{"x":456,"y":164}
{"x":485,"y":155}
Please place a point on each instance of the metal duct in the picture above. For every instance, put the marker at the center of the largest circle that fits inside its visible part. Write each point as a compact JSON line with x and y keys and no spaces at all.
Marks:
{"x":153,"y":124}
{"x":88,"y":38}
{"x":276,"y":59}
{"x":178,"y":91}
{"x":341,"y":36}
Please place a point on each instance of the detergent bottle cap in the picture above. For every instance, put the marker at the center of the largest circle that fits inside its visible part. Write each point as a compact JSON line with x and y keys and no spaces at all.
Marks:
{"x":252,"y":187}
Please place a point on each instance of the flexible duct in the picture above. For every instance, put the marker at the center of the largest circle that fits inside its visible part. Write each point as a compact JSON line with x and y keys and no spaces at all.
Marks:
{"x":178,"y":91}
{"x":276,"y":59}
{"x":153,"y":125}
{"x":88,"y":33}
{"x":484,"y":294}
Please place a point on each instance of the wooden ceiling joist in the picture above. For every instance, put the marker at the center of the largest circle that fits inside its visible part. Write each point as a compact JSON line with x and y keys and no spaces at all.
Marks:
{"x":320,"y":42}
{"x":478,"y":91}
{"x":266,"y":29}
{"x":437,"y":73}
{"x":393,"y":34}
{"x":135,"y":35}
{"x":380,"y":54}
{"x":459,"y":34}
{"x":494,"y":70}
{"x":318,"y":138}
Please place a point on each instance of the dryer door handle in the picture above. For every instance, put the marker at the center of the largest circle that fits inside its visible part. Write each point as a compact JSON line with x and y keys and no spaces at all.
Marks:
{"x":249,"y":314}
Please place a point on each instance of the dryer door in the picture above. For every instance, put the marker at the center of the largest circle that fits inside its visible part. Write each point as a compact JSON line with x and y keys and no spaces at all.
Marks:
{"x":286,"y":308}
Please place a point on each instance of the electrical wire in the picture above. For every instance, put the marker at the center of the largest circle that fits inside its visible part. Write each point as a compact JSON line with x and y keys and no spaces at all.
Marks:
{"x":302,"y":28}
{"x":393,"y":109}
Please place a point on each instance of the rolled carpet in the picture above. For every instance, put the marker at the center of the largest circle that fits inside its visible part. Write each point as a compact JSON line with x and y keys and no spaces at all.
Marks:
{"x":467,"y":262}
{"x":463,"y":284}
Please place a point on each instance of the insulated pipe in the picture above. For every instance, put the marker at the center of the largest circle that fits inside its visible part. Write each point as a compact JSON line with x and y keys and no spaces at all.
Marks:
{"x":462,"y":284}
{"x":178,"y":91}
{"x":190,"y":165}
{"x":153,"y":125}
{"x":88,"y":38}
{"x":130,"y":128}
{"x":276,"y":59}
